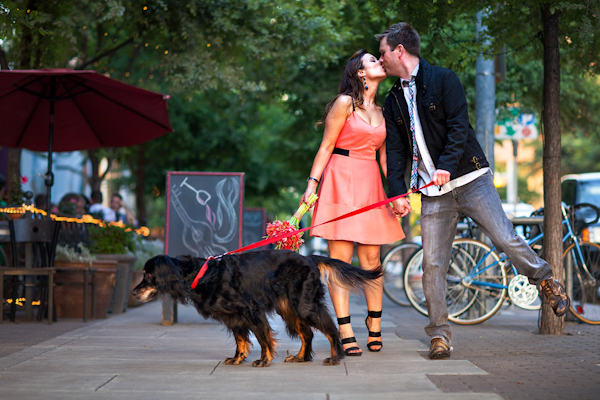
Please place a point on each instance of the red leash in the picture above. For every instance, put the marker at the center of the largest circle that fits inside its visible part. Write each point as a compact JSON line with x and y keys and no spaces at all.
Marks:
{"x":288,"y":234}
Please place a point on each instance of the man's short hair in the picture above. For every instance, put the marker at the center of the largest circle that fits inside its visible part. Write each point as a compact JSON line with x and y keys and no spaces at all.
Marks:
{"x":404,"y":34}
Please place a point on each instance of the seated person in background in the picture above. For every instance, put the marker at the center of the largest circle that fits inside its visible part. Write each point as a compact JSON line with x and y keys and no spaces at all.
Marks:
{"x":40,"y":201}
{"x":98,"y":210}
{"x":72,"y":205}
{"x":116,"y":204}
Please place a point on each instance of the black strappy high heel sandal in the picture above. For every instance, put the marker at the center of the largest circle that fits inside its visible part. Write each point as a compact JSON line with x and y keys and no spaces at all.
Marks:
{"x":344,"y":321}
{"x":374,"y":314}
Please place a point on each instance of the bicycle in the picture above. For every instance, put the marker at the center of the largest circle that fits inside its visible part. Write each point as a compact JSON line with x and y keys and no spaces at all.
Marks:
{"x":393,"y":270}
{"x":478,"y":278}
{"x":582,"y":271}
{"x":397,"y":258}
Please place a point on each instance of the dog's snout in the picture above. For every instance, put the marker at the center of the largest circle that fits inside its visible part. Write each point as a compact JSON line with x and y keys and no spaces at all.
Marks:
{"x":144,"y":294}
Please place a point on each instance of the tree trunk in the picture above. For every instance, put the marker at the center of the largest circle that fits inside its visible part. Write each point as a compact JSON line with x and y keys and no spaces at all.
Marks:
{"x":96,"y":176}
{"x":3,"y":60}
{"x":140,"y":175}
{"x":95,"y":180}
{"x":550,"y":324}
{"x":27,"y":44}
{"x":13,"y":166}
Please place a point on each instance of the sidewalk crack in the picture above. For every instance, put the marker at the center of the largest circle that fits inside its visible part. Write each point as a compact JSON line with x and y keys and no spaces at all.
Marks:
{"x":105,"y":383}
{"x":214,"y":369}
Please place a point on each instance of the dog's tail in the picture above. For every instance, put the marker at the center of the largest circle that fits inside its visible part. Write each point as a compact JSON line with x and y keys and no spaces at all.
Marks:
{"x":344,"y":274}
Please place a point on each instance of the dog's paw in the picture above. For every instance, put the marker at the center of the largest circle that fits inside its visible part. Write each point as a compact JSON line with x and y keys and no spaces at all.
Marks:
{"x":331,"y":361}
{"x":234,"y":360}
{"x":263,"y":362}
{"x":296,"y":358}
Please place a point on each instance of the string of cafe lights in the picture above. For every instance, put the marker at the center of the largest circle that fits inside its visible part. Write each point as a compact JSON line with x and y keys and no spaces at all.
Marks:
{"x":86,"y":219}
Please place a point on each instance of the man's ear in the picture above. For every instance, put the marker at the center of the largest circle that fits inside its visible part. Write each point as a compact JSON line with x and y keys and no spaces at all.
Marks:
{"x":399,"y":49}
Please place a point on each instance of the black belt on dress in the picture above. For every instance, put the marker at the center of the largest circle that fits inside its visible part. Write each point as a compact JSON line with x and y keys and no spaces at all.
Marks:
{"x":341,"y":152}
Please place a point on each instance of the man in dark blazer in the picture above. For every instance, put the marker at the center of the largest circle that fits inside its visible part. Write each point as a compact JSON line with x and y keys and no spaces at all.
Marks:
{"x":429,"y":139}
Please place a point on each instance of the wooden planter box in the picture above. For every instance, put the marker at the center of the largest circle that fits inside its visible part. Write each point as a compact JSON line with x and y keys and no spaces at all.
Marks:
{"x":70,"y":294}
{"x":118,"y":304}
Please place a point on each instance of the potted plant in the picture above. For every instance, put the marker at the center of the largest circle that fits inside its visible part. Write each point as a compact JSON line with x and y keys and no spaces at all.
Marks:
{"x":70,"y":264}
{"x":16,"y":196}
{"x":114,"y":242}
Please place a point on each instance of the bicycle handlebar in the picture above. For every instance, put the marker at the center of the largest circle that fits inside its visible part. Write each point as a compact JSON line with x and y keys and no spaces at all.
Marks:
{"x":579,"y":206}
{"x":571,"y":211}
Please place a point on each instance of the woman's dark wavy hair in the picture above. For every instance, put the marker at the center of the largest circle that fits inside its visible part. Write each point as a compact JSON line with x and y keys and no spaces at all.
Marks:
{"x":351,"y":84}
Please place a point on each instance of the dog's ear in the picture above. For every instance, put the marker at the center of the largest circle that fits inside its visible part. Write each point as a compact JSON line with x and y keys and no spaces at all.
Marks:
{"x":166,"y":267}
{"x":156,"y":263}
{"x":168,"y":274}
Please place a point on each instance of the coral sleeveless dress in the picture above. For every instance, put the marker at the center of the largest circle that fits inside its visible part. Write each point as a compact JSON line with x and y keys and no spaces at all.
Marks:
{"x":353,"y":181}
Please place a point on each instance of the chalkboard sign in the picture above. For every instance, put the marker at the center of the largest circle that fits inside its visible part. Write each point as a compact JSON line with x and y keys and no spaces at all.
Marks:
{"x":254,"y":226}
{"x":204,"y":218}
{"x":204,"y":213}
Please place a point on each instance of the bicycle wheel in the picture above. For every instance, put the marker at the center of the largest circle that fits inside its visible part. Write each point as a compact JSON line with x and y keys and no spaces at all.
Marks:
{"x":583,"y":289}
{"x":481,"y":292}
{"x":459,"y":298}
{"x":393,"y":264}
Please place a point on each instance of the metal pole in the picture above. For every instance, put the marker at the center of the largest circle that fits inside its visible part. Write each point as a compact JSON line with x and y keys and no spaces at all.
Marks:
{"x":515,"y":176}
{"x":512,"y":196}
{"x":485,"y":87}
{"x":49,"y":179}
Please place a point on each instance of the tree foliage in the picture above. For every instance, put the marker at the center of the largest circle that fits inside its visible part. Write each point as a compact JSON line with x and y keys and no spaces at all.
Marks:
{"x":248,"y":79}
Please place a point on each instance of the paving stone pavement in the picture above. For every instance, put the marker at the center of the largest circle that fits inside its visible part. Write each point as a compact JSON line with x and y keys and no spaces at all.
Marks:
{"x":132,"y":356}
{"x":521,"y":363}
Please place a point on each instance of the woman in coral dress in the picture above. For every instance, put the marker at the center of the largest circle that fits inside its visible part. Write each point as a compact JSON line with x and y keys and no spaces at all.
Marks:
{"x":347,"y":173}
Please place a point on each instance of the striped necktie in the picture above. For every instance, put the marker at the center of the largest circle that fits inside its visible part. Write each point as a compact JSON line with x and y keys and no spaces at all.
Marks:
{"x":414,"y":174}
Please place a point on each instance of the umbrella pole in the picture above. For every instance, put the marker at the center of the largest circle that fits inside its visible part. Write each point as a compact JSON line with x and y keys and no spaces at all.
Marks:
{"x":49,"y":179}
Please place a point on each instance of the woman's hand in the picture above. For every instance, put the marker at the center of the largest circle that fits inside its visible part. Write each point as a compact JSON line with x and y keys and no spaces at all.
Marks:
{"x":311,"y":189}
{"x":401,"y":207}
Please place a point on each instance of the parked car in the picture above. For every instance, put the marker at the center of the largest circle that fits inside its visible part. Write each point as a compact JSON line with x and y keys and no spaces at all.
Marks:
{"x":518,"y":210}
{"x":584,"y":188}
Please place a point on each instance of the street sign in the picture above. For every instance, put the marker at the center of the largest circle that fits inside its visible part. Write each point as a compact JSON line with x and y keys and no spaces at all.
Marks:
{"x":517,"y":127}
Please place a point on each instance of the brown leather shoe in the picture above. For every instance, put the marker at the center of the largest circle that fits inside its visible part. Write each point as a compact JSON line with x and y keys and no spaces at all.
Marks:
{"x":556,"y":295}
{"x":439,"y":349}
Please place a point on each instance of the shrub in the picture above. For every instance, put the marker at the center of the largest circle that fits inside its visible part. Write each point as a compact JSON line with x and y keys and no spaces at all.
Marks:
{"x":111,"y":239}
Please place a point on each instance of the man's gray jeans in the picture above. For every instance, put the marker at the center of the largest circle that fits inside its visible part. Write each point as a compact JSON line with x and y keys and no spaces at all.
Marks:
{"x":439,"y":217}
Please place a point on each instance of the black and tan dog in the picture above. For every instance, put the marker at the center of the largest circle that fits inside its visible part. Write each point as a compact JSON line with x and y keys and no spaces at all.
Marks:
{"x":240,"y":290}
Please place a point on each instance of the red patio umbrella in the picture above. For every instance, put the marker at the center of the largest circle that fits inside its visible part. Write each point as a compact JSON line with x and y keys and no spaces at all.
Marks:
{"x":67,"y":110}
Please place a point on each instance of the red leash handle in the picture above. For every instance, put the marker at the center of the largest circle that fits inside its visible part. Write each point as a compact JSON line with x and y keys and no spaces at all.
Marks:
{"x":288,"y":234}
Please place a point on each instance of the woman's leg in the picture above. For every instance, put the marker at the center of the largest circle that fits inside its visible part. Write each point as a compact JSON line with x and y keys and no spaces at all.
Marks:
{"x":340,"y":297}
{"x":369,"y":258}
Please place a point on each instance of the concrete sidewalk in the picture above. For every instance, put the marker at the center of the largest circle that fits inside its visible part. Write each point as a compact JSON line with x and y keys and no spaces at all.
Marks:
{"x":132,"y":356}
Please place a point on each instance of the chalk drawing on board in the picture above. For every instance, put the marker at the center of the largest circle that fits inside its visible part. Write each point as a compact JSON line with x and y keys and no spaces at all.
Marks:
{"x":204,"y":237}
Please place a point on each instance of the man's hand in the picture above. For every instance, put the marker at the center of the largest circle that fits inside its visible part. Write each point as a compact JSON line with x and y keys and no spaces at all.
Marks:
{"x":440,"y":177}
{"x":401,"y":207}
